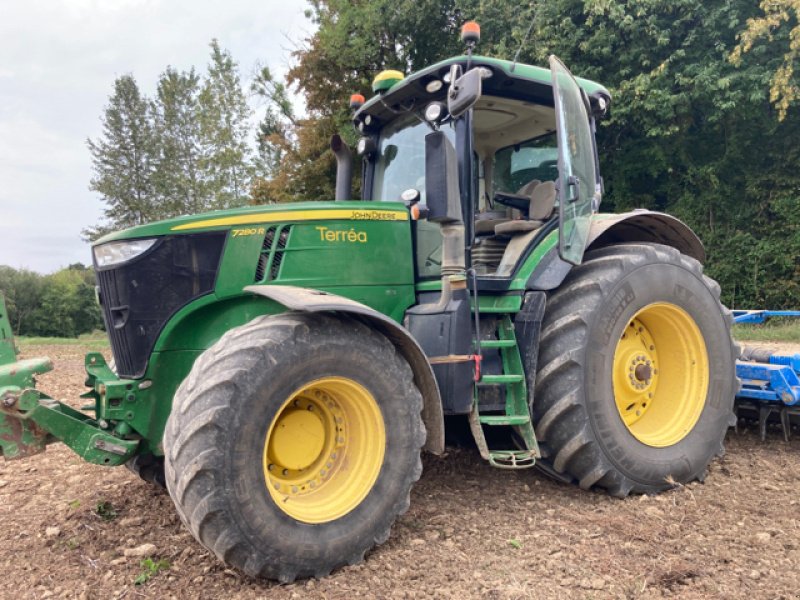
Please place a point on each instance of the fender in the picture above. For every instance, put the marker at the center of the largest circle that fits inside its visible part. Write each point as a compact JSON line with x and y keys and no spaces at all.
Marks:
{"x":309,"y":300}
{"x":638,"y":225}
{"x":643,"y":225}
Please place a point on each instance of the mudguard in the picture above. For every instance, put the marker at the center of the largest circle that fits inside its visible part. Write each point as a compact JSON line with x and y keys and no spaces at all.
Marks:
{"x":643,"y":225}
{"x":309,"y":300}
{"x":639,"y":225}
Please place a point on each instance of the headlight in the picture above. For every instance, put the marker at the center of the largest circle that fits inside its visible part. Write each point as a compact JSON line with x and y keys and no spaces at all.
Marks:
{"x":433,"y":86}
{"x":434,"y":112}
{"x":114,"y":253}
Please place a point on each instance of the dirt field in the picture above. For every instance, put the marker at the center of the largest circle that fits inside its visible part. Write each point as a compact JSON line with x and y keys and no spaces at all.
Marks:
{"x":471,"y":532}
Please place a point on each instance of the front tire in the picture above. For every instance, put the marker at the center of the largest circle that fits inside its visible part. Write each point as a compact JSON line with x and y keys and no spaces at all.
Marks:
{"x":293,"y":444}
{"x":635,"y":386}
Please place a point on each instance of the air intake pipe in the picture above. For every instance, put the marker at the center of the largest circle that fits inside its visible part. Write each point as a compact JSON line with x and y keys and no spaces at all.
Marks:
{"x":444,"y":207}
{"x":344,"y":168}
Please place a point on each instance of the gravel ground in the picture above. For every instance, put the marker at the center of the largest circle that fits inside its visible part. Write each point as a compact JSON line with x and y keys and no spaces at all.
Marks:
{"x":71,"y":529}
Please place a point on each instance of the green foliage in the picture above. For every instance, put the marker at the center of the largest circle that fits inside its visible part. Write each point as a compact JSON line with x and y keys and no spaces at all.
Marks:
{"x":184,"y":151}
{"x":151,"y":569}
{"x":690,"y":132}
{"x":122,"y":159}
{"x":60,"y":305}
{"x":105,"y":511}
{"x":178,"y":178}
{"x":779,"y":25}
{"x":23,"y":291}
{"x":223,"y":116}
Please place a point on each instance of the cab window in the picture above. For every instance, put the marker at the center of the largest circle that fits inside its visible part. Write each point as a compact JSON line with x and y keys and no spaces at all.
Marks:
{"x":516,"y":165}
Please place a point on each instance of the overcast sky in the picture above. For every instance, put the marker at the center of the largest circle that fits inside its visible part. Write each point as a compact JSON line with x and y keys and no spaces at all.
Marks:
{"x":58,"y":62}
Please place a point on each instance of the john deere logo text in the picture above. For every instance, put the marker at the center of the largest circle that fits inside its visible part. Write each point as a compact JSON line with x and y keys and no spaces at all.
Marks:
{"x":342,"y":235}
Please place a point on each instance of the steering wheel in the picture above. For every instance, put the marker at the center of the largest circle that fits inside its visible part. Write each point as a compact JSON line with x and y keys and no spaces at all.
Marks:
{"x":548,"y":164}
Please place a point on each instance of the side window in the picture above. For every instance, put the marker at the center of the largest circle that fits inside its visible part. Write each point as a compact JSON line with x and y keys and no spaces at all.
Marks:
{"x":514,"y":166}
{"x":579,"y":192}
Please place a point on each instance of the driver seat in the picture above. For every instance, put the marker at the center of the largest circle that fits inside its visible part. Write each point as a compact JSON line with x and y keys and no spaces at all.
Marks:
{"x":540,"y":209}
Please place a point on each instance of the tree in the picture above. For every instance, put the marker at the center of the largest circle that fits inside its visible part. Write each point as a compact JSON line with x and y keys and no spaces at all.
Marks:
{"x":224,"y":130}
{"x":780,"y":25}
{"x":23,"y":291}
{"x":122,"y":160}
{"x":275,"y":134}
{"x":353,"y":42}
{"x":185,"y":151}
{"x":689,"y":132}
{"x":178,"y":179}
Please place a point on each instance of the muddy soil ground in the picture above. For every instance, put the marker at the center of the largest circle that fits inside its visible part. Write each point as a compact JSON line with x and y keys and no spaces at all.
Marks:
{"x":471,"y":532}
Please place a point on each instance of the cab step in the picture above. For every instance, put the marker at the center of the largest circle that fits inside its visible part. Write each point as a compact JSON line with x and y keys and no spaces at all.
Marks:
{"x":501,"y":379}
{"x":498,"y":343}
{"x":517,"y":412}
{"x":504,"y":419}
{"x":512,"y":459}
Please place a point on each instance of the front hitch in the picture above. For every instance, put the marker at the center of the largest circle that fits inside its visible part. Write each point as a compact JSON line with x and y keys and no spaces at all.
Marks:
{"x":29,"y":419}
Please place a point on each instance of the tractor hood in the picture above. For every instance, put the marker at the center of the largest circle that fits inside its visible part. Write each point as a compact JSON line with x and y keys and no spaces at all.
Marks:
{"x":263,"y":215}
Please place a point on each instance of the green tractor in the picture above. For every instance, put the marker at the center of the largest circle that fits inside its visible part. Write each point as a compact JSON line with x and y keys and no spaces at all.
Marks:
{"x":281,"y":368}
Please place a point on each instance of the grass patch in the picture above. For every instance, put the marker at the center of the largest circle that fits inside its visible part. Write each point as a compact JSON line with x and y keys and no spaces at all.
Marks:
{"x":97,"y":340}
{"x":151,"y":569}
{"x":774,"y":330}
{"x":105,"y":511}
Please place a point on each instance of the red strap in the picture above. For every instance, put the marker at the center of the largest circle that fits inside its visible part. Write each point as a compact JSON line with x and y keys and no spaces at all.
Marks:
{"x":477,"y":358}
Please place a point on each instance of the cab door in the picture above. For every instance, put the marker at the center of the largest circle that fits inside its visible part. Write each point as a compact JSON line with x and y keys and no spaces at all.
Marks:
{"x":578,"y":182}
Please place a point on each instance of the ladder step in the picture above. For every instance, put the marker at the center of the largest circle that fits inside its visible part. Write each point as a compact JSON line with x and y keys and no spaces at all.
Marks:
{"x":512,"y":459}
{"x":494,"y":379}
{"x":504,"y":419}
{"x":498,"y":343}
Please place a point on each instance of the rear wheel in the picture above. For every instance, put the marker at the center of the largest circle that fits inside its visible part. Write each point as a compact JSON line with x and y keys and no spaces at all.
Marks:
{"x":293,"y":444}
{"x":635,"y":384}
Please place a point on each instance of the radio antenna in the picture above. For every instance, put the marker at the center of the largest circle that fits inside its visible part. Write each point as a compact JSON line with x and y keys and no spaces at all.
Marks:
{"x":525,"y":39}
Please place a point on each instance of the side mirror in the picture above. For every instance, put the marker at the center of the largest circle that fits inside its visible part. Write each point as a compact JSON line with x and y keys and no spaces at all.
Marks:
{"x":442,"y":194}
{"x":465,"y":90}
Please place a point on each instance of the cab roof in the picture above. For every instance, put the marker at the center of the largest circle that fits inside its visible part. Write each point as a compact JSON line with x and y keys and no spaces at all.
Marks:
{"x":519,"y":81}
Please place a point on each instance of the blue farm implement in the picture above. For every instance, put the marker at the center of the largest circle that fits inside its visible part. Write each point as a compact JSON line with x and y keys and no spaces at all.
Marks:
{"x":770,"y":383}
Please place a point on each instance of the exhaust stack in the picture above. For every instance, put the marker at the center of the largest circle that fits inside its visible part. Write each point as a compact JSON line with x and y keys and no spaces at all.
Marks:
{"x":344,"y":168}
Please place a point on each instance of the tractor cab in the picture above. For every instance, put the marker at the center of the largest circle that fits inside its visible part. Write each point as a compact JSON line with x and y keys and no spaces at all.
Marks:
{"x":526,"y":158}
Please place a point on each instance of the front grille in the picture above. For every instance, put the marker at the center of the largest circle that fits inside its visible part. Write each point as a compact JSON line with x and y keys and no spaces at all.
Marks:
{"x":269,"y":262}
{"x":140,"y":296}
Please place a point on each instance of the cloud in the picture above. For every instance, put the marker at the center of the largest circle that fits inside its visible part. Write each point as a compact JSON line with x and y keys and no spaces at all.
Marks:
{"x":60,"y":61}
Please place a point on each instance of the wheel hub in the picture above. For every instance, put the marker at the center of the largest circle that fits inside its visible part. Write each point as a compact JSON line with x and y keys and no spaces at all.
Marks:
{"x":637,"y":370}
{"x":660,"y":409}
{"x":324,"y":450}
{"x":298,"y":439}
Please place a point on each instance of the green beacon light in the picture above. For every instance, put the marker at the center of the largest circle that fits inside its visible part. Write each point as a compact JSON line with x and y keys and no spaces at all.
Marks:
{"x":384,"y":81}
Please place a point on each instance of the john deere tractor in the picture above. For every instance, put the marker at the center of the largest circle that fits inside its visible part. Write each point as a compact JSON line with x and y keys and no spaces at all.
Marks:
{"x":281,"y":368}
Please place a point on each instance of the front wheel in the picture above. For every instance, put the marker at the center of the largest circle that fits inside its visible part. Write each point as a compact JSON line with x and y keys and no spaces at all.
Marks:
{"x":635,"y":386}
{"x":293,"y":444}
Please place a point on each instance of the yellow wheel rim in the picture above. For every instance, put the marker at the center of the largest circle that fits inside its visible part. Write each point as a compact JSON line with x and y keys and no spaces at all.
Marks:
{"x":660,"y":375}
{"x":324,"y":450}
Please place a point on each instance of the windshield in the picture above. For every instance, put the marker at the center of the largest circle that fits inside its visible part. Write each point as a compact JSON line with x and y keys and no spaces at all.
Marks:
{"x":400,"y":163}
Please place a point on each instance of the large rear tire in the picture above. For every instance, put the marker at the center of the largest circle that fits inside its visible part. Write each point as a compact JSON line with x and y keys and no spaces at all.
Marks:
{"x":293,"y":444}
{"x":635,"y":385}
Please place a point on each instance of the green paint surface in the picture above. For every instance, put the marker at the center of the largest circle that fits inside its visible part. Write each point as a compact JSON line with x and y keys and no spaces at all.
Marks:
{"x":359,"y":250}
